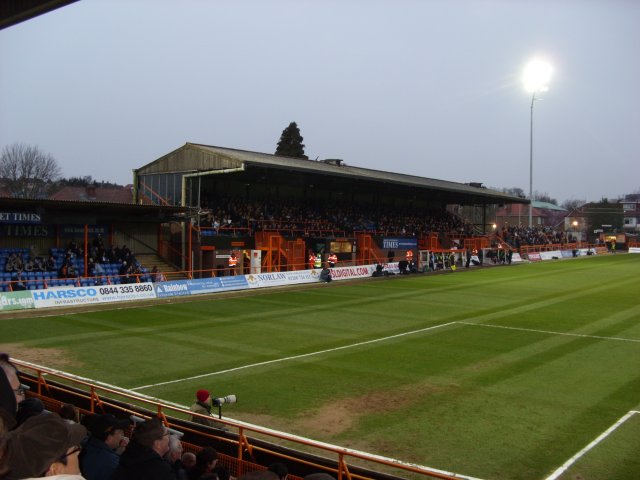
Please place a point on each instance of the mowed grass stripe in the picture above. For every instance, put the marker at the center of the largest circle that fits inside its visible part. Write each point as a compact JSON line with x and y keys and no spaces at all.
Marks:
{"x":491,"y":403}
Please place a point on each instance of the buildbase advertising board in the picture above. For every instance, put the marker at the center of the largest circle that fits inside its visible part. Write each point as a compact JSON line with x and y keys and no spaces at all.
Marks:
{"x":65,"y":296}
{"x":178,"y":288}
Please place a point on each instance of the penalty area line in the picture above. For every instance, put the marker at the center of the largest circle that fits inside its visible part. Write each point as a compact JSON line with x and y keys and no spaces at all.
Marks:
{"x":617,"y":339}
{"x":295,"y":357}
{"x":565,"y":466}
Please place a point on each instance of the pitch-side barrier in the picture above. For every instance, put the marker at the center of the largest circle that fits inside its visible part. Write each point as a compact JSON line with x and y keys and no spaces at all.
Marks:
{"x":92,"y":295}
{"x":242,"y":447}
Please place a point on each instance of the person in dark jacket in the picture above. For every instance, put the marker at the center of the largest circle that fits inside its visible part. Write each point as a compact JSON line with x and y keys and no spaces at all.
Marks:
{"x":206,"y":460}
{"x":142,"y":460}
{"x":98,"y":459}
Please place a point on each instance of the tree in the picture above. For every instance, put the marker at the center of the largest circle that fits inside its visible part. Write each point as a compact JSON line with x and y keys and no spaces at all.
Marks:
{"x":27,"y":171}
{"x":290,"y":144}
{"x":572,"y":204}
{"x":513,"y":191}
{"x":544,"y":197}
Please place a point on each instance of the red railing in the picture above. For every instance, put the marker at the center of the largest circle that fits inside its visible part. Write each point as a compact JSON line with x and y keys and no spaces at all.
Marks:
{"x":49,"y":383}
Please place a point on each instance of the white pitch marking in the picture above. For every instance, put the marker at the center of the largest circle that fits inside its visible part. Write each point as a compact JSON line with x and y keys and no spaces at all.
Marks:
{"x":618,"y":339}
{"x":295,"y":357}
{"x":565,"y":466}
{"x":251,"y":425}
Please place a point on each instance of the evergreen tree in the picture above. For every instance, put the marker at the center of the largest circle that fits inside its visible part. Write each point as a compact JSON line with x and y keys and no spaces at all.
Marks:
{"x":290,"y":144}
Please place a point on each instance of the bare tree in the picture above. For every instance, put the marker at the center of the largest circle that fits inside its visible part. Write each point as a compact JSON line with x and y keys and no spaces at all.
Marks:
{"x":572,"y":204}
{"x":27,"y":171}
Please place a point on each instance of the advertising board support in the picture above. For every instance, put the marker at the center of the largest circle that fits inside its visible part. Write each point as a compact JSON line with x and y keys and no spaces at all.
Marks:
{"x":423,"y":260}
{"x":256,"y":261}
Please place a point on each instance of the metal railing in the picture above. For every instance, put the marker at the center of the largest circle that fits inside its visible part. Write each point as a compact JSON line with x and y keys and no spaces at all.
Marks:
{"x":50,"y":383}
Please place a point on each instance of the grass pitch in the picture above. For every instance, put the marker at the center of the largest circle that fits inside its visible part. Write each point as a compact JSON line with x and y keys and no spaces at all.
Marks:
{"x":494,"y":373}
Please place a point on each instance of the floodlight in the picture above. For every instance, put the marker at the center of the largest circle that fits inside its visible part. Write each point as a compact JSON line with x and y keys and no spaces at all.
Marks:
{"x":537,"y":75}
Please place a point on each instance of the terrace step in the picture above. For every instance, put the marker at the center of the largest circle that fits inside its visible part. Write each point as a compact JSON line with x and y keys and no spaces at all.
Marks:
{"x":148,"y":260}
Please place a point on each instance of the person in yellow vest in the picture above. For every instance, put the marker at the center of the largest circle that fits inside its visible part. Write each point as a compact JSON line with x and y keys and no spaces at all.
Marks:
{"x":332,"y":259}
{"x":233,"y":263}
{"x":318,"y":261}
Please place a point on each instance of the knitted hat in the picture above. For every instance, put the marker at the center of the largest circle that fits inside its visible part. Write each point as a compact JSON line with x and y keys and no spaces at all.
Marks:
{"x":202,"y":395}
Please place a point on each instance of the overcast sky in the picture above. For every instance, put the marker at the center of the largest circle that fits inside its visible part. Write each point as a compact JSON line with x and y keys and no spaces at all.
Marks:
{"x":430,"y":88}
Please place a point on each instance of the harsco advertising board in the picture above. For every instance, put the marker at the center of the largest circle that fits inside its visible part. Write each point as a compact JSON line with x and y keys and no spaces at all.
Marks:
{"x":65,"y":296}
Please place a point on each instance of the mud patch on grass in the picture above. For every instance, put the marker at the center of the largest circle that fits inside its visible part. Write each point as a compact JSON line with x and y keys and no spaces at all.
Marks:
{"x":341,"y":415}
{"x":47,"y":357}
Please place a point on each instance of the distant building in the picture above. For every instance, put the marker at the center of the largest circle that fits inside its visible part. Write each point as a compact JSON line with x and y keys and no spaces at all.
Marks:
{"x":631,"y":214}
{"x":544,"y":214}
{"x":95,"y":193}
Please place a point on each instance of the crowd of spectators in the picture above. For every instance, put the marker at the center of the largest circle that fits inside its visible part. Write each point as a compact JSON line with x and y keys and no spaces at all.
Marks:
{"x":38,"y":444}
{"x":518,"y":236}
{"x":25,"y":267}
{"x":230,"y":215}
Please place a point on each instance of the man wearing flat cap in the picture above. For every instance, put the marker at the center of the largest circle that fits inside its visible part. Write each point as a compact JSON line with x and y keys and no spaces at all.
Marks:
{"x":45,"y":446}
{"x":98,"y":459}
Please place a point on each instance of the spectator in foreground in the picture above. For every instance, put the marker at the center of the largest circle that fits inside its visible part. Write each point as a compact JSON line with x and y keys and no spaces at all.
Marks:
{"x":18,"y":390}
{"x":206,"y":460}
{"x":98,"y":459}
{"x":142,"y":460}
{"x":29,"y":407}
{"x":222,"y":473}
{"x":280,"y":469}
{"x":70,"y":413}
{"x":45,"y":446}
{"x":174,"y":457}
{"x":319,"y":476}
{"x":259,"y":475}
{"x":8,"y":404}
{"x":188,"y":460}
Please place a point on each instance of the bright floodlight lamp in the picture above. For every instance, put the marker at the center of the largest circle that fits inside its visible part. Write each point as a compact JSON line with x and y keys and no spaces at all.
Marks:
{"x":536,"y":76}
{"x":536,"y":79}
